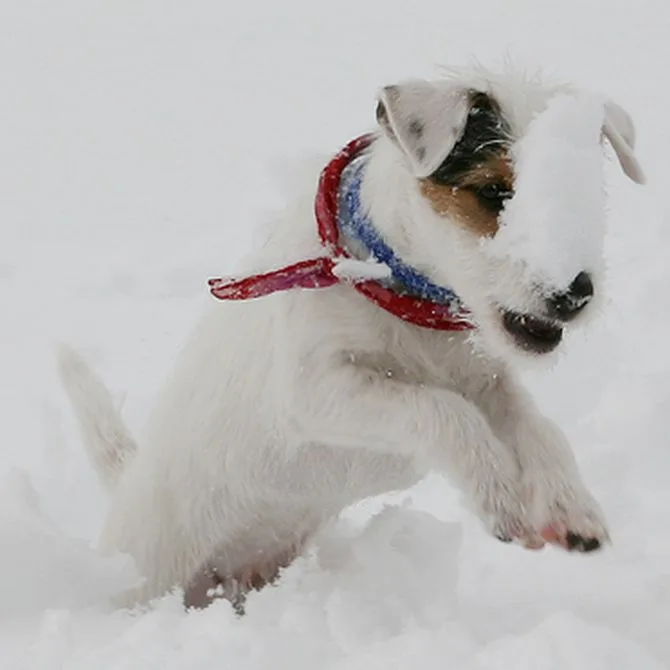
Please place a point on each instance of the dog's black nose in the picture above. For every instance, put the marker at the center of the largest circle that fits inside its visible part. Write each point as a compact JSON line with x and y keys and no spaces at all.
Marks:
{"x":568,"y":304}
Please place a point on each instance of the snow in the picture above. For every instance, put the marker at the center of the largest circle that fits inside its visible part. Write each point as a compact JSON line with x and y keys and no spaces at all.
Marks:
{"x":352,"y":269}
{"x":554,"y":222}
{"x":143,"y":144}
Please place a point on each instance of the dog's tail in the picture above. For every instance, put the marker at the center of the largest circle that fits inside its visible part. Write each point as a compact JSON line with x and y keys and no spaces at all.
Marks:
{"x":108,"y":442}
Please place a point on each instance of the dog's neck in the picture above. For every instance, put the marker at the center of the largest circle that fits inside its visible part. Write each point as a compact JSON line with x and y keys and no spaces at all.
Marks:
{"x":387,"y":190}
{"x":364,"y":239}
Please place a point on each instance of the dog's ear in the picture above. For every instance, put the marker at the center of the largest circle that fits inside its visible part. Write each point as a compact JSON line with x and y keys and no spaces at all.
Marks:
{"x":619,"y":129}
{"x":425,"y":120}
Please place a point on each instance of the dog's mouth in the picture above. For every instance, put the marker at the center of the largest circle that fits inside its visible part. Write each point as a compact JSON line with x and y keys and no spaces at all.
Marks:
{"x":532,"y":333}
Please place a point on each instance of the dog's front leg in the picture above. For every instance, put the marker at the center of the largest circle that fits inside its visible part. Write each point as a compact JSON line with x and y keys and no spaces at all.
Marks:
{"x":345,"y":405}
{"x":559,"y":503}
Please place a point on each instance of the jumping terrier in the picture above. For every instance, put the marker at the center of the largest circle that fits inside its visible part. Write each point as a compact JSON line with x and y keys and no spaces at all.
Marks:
{"x":423,"y":268}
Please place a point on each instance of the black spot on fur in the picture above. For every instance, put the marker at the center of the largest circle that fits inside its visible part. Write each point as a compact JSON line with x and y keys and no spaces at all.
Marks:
{"x":416,"y":128}
{"x":580,"y":543}
{"x":591,"y":544}
{"x":380,"y":113}
{"x":421,"y":153}
{"x":486,"y":133}
{"x":573,"y":540}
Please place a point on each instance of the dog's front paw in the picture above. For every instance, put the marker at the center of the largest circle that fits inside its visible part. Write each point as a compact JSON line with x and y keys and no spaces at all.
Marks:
{"x":565,"y":514}
{"x":501,"y":507}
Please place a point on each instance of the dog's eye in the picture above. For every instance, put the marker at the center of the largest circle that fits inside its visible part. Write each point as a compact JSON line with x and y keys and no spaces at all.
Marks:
{"x":494,"y":192}
{"x":493,"y":196}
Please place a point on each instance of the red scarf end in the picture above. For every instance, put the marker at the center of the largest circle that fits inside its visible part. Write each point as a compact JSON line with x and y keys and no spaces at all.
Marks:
{"x":315,"y":273}
{"x":325,"y":271}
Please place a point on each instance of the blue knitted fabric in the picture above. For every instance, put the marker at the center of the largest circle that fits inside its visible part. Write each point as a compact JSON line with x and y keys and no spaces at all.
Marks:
{"x":355,"y":223}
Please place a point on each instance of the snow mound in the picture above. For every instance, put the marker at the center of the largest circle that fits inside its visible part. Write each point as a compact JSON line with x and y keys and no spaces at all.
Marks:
{"x":564,"y":642}
{"x":40,"y":567}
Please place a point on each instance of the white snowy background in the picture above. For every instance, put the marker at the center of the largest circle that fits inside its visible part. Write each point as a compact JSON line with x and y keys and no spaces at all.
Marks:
{"x":143,"y":144}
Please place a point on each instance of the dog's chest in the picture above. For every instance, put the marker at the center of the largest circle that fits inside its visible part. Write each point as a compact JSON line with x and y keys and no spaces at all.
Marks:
{"x":431,"y":358}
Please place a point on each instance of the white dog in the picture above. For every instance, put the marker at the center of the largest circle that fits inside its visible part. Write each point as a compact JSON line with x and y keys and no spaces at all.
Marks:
{"x":459,"y":238}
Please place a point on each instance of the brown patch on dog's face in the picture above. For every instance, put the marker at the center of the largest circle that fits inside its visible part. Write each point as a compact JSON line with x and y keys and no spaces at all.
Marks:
{"x":477,"y":198}
{"x":476,"y":178}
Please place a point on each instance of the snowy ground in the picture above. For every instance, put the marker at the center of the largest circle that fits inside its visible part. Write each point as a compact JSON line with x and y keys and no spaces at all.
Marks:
{"x":139,"y":145}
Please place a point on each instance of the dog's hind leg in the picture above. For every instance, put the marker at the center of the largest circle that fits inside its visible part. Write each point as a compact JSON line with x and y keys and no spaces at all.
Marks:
{"x":212,"y":582}
{"x":107,"y":440}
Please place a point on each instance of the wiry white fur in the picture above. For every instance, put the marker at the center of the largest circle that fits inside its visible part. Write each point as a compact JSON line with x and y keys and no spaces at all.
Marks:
{"x":109,"y":444}
{"x":284,"y":410}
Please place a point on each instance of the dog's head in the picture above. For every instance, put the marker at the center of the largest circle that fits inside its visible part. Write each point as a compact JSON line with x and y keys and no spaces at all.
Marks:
{"x":509,"y":205}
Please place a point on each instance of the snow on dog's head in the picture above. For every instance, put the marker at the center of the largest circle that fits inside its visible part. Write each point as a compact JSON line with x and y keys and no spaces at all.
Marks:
{"x":504,"y":198}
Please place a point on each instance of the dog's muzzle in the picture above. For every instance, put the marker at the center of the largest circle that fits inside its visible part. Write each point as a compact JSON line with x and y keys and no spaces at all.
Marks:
{"x":532,"y":333}
{"x":542,"y":334}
